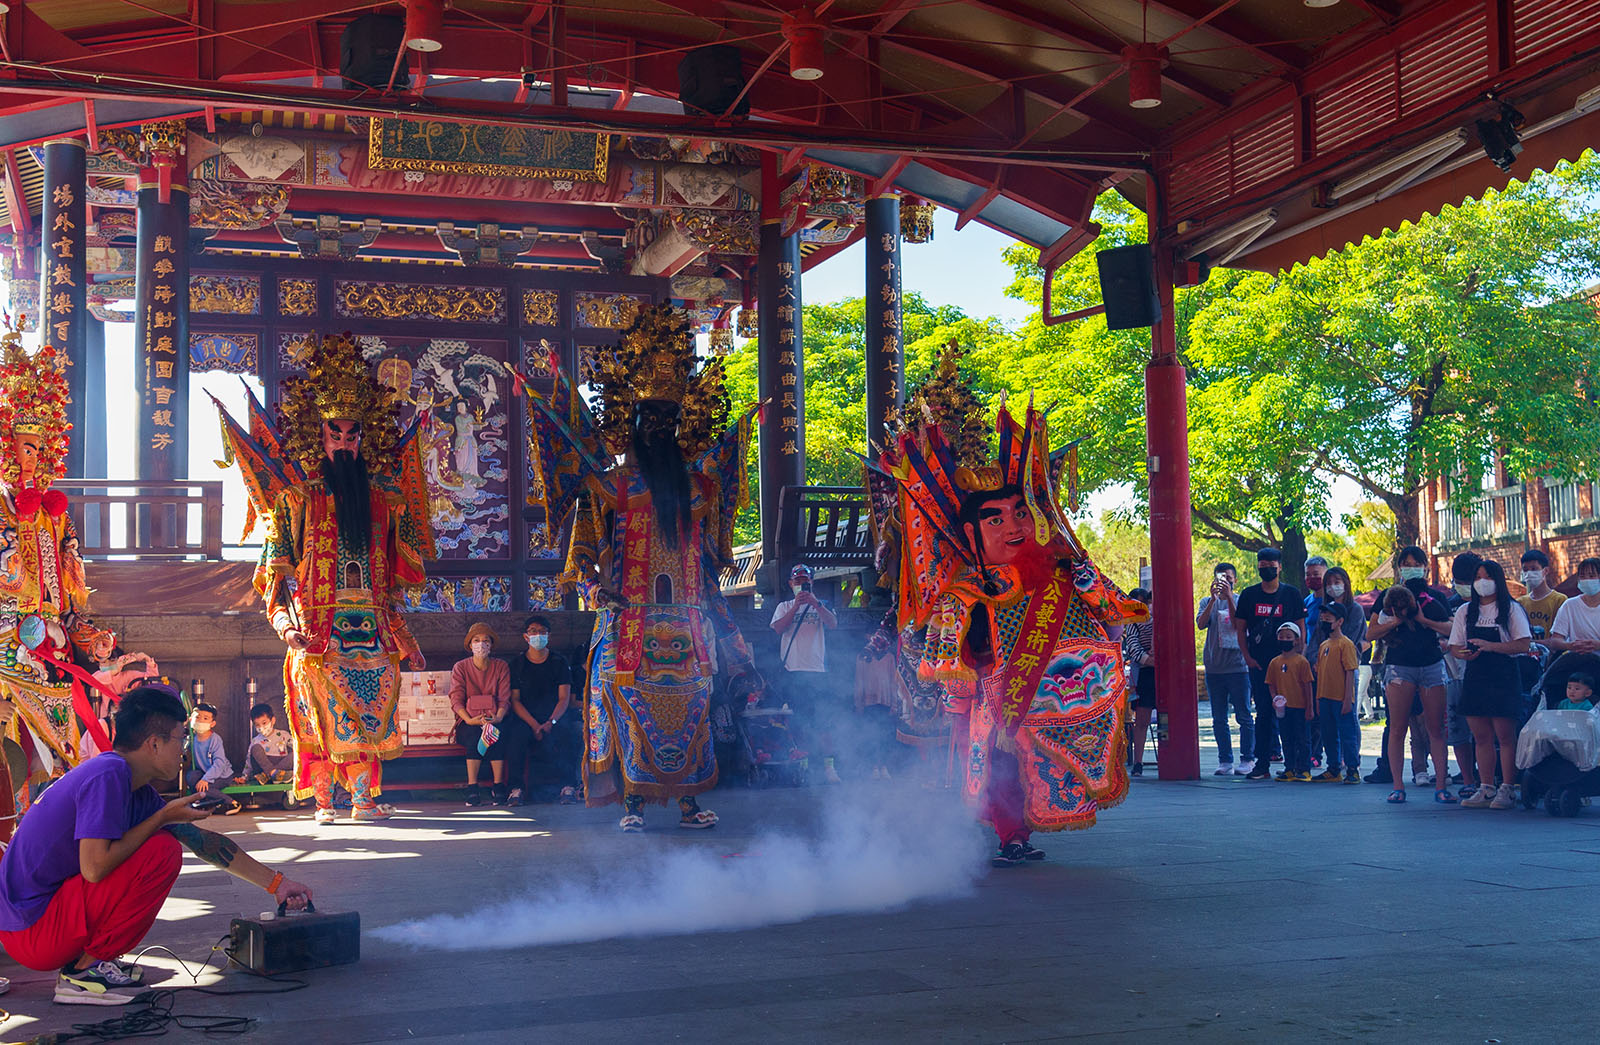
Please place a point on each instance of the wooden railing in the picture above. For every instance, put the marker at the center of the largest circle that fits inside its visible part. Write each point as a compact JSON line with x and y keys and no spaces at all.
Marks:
{"x":824,"y":526}
{"x":145,"y":520}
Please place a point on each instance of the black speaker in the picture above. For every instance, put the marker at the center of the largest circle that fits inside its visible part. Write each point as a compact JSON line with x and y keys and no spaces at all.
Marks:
{"x":1128,"y":287}
{"x":710,"y":78}
{"x":367,"y":49}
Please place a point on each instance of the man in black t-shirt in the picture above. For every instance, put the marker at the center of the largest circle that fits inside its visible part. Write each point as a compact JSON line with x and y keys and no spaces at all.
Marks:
{"x":542,"y":721}
{"x":1262,"y":609}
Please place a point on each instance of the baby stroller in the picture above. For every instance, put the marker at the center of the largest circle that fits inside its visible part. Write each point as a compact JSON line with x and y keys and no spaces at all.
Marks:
{"x":772,"y":747}
{"x":1559,"y":751}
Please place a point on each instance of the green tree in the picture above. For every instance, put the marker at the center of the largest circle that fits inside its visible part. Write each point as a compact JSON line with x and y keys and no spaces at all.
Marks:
{"x":1366,"y":544}
{"x":836,"y":382}
{"x":1422,"y":351}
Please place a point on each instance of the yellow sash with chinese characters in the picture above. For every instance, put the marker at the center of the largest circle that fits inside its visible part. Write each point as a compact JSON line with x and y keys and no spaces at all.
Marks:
{"x":1041,"y":629}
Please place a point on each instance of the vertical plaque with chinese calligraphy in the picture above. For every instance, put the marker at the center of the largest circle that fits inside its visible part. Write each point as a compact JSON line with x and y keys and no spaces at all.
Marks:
{"x":885,"y":363}
{"x":161,"y":331}
{"x":780,"y":372}
{"x":62,"y":311}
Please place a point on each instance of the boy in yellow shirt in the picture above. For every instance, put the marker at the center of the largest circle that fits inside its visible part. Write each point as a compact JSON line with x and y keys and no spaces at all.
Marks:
{"x":1289,"y":677}
{"x":1337,"y":662}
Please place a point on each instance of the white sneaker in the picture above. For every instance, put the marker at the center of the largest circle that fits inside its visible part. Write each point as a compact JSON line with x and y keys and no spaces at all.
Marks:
{"x":1480,"y":799}
{"x":326,"y":816}
{"x":1422,"y":779}
{"x":1506,"y":798}
{"x":1224,"y":769}
{"x":1245,"y":768}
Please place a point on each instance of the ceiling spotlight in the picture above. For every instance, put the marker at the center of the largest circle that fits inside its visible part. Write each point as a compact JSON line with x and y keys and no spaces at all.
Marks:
{"x":424,"y":24}
{"x":1499,"y":138}
{"x":804,"y":34}
{"x":1144,"y":74}
{"x":1322,"y":3}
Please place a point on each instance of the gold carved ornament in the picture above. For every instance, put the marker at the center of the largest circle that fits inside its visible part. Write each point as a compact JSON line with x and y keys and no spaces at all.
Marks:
{"x":612,"y":313}
{"x":539,"y":308}
{"x":224,"y":295}
{"x":297,"y":297}
{"x":399,"y":301}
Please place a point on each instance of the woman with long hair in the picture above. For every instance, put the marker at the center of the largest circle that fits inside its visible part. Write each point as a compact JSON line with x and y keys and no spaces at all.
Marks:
{"x":1412,"y":623}
{"x":1487,"y":633}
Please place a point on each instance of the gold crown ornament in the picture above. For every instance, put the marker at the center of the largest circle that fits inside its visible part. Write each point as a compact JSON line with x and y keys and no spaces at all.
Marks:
{"x":338,"y":386}
{"x":33,"y":401}
{"x":654,"y":361}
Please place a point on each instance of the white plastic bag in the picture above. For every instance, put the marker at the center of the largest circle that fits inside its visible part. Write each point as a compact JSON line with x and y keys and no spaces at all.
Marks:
{"x":1574,"y":735}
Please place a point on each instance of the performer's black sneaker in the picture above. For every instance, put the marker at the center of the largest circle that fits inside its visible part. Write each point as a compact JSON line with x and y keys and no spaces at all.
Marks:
{"x":1009,"y":855}
{"x":474,"y":796}
{"x":499,"y":795}
{"x":1031,"y":853}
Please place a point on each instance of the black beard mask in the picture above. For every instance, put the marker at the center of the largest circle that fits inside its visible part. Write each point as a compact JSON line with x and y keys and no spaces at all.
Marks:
{"x":345,"y":477}
{"x":661,"y":465}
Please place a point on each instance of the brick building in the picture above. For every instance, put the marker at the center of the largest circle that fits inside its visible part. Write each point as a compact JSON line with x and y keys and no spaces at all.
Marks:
{"x":1502,"y":522}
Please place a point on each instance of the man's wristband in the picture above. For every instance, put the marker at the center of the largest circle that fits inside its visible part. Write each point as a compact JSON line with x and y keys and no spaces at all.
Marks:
{"x":277,"y":880}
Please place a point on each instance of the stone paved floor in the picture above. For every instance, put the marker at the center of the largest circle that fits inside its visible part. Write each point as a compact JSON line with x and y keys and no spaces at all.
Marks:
{"x":1219,"y":910}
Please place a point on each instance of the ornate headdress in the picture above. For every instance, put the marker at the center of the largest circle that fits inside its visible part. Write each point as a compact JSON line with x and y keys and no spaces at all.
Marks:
{"x":655,"y":362}
{"x":338,"y":386}
{"x":33,"y":399}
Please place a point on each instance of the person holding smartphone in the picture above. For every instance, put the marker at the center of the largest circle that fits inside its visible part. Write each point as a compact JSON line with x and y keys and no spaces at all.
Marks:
{"x":97,"y":855}
{"x":802,"y":624}
{"x":1227,"y":676}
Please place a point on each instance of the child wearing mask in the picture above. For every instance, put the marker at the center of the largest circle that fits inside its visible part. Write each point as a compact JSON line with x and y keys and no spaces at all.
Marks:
{"x":208,"y":762}
{"x":1336,"y":697}
{"x":1289,"y":678}
{"x":271,"y":756}
{"x":1542,"y":601}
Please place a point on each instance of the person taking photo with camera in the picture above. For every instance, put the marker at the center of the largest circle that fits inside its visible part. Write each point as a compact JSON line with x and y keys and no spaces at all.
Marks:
{"x":801,"y":624}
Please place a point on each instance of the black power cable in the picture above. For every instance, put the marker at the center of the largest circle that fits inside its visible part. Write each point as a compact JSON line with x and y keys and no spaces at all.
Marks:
{"x":151,"y":1015}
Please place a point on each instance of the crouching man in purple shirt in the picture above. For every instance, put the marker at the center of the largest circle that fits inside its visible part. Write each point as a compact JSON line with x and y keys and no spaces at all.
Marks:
{"x":96,"y":856}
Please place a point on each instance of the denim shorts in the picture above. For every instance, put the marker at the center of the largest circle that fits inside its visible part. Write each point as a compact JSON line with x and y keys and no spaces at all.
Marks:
{"x":1429,"y":675}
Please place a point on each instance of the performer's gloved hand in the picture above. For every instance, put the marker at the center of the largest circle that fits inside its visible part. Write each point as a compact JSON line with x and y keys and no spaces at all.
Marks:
{"x":8,"y":711}
{"x":295,"y":639}
{"x":417,"y":661}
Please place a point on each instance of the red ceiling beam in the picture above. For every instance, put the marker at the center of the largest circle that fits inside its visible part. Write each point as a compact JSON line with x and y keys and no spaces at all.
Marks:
{"x":1076,"y":36}
{"x":973,"y":209}
{"x":1233,"y":30}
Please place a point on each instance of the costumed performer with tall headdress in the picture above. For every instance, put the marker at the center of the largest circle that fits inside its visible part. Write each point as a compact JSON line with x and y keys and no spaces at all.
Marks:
{"x":44,"y":600}
{"x":344,"y":500}
{"x":651,"y":487}
{"x":1017,"y":617}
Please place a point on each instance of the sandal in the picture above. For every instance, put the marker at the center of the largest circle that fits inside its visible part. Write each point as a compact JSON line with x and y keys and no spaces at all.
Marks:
{"x":1398,"y":795}
{"x":1445,"y":798}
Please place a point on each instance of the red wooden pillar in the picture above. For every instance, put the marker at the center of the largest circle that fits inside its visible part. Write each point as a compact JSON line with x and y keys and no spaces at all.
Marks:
{"x":1171,"y":545}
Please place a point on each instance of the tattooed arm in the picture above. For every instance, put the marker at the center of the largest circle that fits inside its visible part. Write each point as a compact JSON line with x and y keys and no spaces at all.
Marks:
{"x":221,"y":851}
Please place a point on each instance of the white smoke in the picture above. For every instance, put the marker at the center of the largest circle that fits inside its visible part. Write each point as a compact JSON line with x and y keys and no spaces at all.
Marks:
{"x":880,"y":851}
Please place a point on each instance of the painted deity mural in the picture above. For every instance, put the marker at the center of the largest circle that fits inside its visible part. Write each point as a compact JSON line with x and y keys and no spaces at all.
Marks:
{"x":459,"y":387}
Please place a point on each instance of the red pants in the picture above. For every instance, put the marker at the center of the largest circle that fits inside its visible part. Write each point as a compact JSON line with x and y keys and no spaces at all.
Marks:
{"x":1002,"y":798}
{"x":104,"y":919}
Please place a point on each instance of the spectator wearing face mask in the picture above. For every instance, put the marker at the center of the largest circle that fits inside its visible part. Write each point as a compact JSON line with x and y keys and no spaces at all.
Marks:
{"x":1412,"y":625}
{"x":1576,"y":627}
{"x":1542,"y":601}
{"x":1289,"y":680}
{"x":1261,"y":609}
{"x":1457,"y":733}
{"x":1487,"y":634}
{"x":480,"y":696}
{"x":1227,"y":679}
{"x":542,"y":722}
{"x":802,"y":624}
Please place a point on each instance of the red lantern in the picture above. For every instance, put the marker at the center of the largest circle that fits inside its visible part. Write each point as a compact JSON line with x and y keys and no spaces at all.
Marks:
{"x":804,"y":34}
{"x":1144,"y":74}
{"x":424,"y":24}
